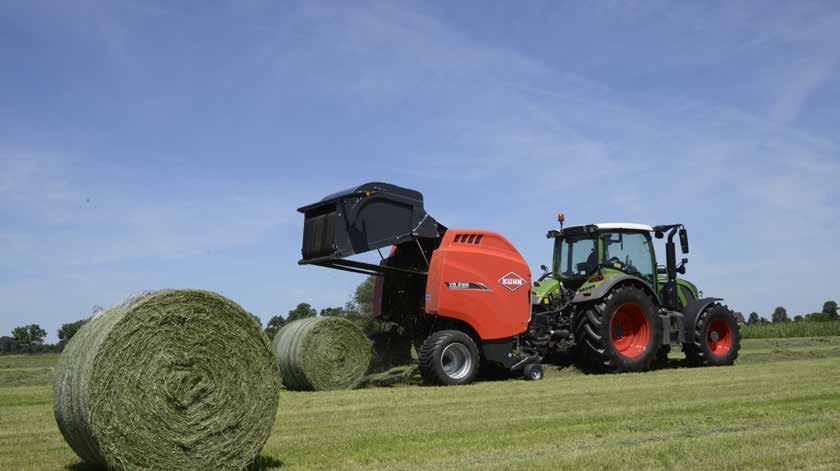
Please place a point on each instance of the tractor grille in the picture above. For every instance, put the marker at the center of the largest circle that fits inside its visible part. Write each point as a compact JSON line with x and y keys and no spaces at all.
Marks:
{"x":319,"y":233}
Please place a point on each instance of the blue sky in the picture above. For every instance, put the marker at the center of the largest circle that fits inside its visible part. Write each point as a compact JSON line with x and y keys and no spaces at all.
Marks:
{"x":147,"y":145}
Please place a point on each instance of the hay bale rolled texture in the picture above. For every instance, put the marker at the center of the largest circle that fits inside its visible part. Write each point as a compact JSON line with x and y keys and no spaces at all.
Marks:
{"x":173,"y":379}
{"x":321,"y":354}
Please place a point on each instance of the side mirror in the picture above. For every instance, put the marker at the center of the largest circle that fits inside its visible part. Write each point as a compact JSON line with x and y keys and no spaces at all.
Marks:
{"x":684,"y":240}
{"x":543,"y":268}
{"x":681,"y":269}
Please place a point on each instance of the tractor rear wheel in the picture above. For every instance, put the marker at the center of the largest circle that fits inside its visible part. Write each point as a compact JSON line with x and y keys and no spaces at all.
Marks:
{"x":621,"y":332}
{"x":448,"y":357}
{"x":717,"y":338}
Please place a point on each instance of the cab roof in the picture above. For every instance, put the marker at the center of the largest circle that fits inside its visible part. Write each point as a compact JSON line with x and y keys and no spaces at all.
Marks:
{"x":589,"y":228}
{"x":625,"y":225}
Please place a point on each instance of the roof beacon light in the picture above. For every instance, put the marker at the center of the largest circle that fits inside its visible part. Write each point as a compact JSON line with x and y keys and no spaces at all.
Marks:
{"x":561,"y":218}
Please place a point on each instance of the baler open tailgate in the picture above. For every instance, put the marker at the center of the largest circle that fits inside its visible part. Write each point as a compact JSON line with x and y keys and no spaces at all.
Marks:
{"x":368,"y":217}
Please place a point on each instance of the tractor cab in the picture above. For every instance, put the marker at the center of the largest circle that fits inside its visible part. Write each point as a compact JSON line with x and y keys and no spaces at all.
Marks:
{"x":587,"y":255}
{"x":581,"y":252}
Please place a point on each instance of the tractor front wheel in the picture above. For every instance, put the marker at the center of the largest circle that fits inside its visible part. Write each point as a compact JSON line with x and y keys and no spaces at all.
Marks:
{"x":621,"y":332}
{"x":717,"y":338}
{"x":448,"y":357}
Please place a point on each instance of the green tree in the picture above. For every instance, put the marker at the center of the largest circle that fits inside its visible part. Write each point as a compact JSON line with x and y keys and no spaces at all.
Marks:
{"x":359,"y":309}
{"x":363,"y":297}
{"x":7,"y":345}
{"x":818,"y":317}
{"x":350,"y":309}
{"x":302,"y":311}
{"x":830,"y":309}
{"x":67,"y":331}
{"x":780,"y":315}
{"x":798,"y":318}
{"x":29,"y":337}
{"x":754,"y":319}
{"x":332,"y":312}
{"x":274,"y":325}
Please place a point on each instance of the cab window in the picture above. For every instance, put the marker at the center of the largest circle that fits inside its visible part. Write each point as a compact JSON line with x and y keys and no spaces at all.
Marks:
{"x":629,"y":252}
{"x":575,"y":257}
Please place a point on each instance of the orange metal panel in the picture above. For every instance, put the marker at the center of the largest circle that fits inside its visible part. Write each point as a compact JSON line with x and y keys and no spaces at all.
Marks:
{"x":479,"y":277}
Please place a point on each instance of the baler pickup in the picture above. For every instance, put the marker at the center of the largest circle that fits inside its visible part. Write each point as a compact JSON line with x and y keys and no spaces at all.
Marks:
{"x":364,"y":218}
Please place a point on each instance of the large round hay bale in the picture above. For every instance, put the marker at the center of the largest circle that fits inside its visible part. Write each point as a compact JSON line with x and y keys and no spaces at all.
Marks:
{"x":173,"y":379}
{"x":321,"y":354}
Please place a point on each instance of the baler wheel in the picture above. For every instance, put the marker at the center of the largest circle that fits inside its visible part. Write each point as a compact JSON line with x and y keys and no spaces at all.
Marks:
{"x":533,"y":372}
{"x":448,"y":357}
{"x":621,"y":332}
{"x":717,"y":338}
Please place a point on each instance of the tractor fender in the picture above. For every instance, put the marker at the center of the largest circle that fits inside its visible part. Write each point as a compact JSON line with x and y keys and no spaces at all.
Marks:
{"x":607,"y":285}
{"x":690,"y":313}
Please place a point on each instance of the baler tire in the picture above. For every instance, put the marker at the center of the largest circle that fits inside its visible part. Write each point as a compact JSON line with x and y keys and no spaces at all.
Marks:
{"x":435,"y":350}
{"x":717,"y":338}
{"x":601,"y":350}
{"x":533,"y":372}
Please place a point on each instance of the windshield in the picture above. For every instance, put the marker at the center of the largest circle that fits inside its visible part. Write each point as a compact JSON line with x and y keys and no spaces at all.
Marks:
{"x":575,"y":257}
{"x":630,"y":253}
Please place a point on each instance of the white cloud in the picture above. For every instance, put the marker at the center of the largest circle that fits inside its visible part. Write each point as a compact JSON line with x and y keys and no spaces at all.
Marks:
{"x":801,"y":79}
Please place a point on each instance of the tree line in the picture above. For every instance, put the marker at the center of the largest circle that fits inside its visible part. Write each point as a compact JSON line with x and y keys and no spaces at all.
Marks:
{"x":780,"y":315}
{"x":31,"y":338}
{"x":358,"y":309}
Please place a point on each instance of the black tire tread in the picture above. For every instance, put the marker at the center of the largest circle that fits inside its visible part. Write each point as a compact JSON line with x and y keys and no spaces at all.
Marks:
{"x":695,"y":353}
{"x":429,"y":352}
{"x":593,"y":353}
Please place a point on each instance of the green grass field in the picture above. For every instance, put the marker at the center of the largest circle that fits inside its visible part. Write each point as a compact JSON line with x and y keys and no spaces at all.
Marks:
{"x":778,"y":408}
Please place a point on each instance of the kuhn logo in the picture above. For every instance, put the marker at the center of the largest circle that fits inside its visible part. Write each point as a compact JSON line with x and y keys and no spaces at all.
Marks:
{"x":512,"y":281}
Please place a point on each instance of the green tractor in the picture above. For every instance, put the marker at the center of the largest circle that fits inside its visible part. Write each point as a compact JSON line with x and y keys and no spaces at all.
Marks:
{"x":607,"y":301}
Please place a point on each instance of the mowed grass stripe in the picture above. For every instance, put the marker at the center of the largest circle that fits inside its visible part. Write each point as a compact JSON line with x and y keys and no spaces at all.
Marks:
{"x":413,"y":431}
{"x":26,"y":376}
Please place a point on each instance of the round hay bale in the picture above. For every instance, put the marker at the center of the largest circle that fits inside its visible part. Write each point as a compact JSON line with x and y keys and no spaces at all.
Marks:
{"x":173,"y":379}
{"x":322,"y":354}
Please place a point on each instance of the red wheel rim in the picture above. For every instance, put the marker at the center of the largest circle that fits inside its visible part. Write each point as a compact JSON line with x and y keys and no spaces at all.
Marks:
{"x":719,"y":337}
{"x":630,"y":330}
